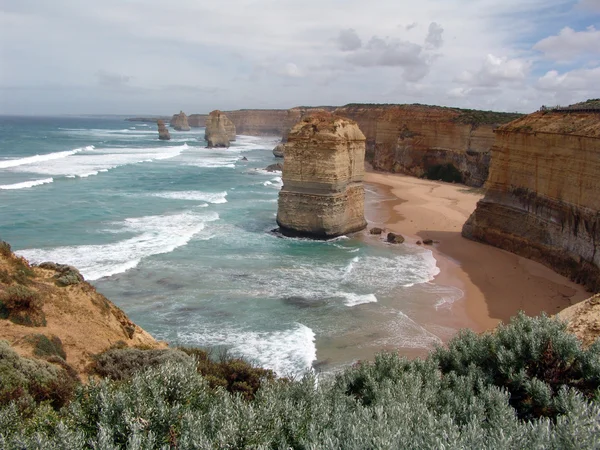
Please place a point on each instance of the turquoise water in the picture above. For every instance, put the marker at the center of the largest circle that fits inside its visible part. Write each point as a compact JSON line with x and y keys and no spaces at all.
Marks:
{"x":179,"y":236}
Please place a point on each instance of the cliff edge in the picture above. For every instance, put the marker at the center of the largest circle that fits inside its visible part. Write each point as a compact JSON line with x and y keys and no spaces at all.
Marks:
{"x":51,"y":306}
{"x":543,"y":195}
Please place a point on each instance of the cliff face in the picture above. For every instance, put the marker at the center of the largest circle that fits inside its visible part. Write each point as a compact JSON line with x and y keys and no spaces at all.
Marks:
{"x":54,"y":301}
{"x":180,"y":122}
{"x":219,"y":130}
{"x":322,"y":194}
{"x":411,"y":139}
{"x":543,"y":194}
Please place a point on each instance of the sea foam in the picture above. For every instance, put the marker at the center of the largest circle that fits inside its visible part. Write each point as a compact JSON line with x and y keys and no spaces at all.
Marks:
{"x":153,"y":235}
{"x":288,"y":352}
{"x":27,"y":184}
{"x":8,"y":163}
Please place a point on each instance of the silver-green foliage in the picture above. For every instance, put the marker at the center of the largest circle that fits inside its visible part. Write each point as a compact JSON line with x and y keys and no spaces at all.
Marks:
{"x":450,"y":400}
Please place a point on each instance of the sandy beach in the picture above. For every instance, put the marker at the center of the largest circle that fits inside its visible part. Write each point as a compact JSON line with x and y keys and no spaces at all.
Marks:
{"x":496,"y":284}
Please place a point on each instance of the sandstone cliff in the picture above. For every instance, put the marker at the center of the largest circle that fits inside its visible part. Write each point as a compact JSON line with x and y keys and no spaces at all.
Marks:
{"x":322,"y":194}
{"x":53,"y":301}
{"x":583,"y":319}
{"x":414,"y":139}
{"x":163,"y":132}
{"x":180,"y":122}
{"x":543,"y":194}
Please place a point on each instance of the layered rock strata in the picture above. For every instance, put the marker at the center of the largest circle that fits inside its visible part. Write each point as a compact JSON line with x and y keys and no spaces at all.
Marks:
{"x":163,"y":132}
{"x":414,"y":139}
{"x":543,"y":194}
{"x":218,"y":130}
{"x":322,"y":194}
{"x":179,"y":122}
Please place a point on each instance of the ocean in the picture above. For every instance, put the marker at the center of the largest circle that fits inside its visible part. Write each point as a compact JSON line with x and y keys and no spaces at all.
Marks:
{"x":180,"y":237}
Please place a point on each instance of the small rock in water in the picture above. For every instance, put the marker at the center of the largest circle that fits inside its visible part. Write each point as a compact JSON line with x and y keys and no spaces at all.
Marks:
{"x":428,"y":241}
{"x":376,"y":230}
{"x":244,"y":158}
{"x":395,"y":238}
{"x":419,"y":243}
{"x":278,"y":167}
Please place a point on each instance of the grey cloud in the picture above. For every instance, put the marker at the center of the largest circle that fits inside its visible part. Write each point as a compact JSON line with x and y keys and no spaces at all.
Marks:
{"x":348,"y":40}
{"x":434,"y":35}
{"x":112,"y":80}
{"x":410,"y":26}
{"x":379,"y":52}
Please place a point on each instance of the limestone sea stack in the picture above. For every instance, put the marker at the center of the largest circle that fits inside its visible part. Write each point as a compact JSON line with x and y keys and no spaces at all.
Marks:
{"x":163,"y":132}
{"x":219,"y":130}
{"x":180,"y":122}
{"x":322,"y":195}
{"x":543,"y":193}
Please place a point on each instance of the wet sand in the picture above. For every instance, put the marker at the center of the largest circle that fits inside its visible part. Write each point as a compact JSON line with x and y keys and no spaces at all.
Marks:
{"x":496,"y":284}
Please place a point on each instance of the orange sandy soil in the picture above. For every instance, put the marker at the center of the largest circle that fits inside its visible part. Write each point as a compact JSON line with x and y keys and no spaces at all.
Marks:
{"x":496,"y":284}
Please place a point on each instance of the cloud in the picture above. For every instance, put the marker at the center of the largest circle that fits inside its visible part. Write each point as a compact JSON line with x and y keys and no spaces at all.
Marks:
{"x":291,"y":70}
{"x":410,"y":26}
{"x":393,"y":53}
{"x":497,"y":70}
{"x":434,"y":35}
{"x":570,"y":44}
{"x":591,"y":5}
{"x":348,"y":40}
{"x":583,"y":80}
{"x":111,"y":80}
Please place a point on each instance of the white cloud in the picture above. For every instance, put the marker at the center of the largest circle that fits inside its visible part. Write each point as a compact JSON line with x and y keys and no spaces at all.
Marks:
{"x":291,"y":70}
{"x":284,"y":56}
{"x":497,"y":70}
{"x":570,"y":44}
{"x":585,"y":80}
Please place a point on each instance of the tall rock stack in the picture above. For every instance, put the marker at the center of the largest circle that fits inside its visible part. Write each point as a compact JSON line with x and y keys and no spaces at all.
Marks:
{"x":180,"y":122}
{"x":543,"y":193}
{"x":219,"y":130}
{"x":163,"y":132}
{"x":322,"y":195}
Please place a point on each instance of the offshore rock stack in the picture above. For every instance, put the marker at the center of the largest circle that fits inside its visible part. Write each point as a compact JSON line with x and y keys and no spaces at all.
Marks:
{"x":220,"y":131}
{"x":179,"y":122}
{"x":322,"y":195}
{"x":163,"y":132}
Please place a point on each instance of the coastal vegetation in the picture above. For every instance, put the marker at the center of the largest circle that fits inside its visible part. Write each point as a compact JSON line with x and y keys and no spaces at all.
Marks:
{"x":529,"y":384}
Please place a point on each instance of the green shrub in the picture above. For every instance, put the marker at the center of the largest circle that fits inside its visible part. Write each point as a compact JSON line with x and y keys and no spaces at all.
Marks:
{"x":124,"y":363}
{"x":5,"y":249}
{"x":22,"y":273}
{"x":5,"y":277}
{"x":26,"y":380}
{"x":533,"y":359}
{"x":233,"y":374}
{"x":450,"y":400}
{"x":22,"y":306}
{"x":444,"y":172}
{"x":44,"y":346}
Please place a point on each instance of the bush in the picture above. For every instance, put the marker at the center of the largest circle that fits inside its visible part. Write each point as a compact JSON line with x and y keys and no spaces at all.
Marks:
{"x":44,"y":346}
{"x":124,"y":363}
{"x":456,"y":398}
{"x":22,"y":306}
{"x":444,"y":172}
{"x":233,"y":374}
{"x":5,"y":249}
{"x":26,"y":380}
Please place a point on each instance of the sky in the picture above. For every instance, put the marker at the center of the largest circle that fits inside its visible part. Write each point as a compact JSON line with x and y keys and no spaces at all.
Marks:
{"x":157,"y":57}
